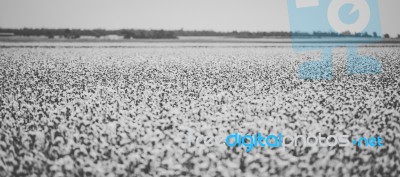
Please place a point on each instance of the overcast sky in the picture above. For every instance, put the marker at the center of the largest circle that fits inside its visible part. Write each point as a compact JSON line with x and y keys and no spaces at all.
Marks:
{"x":219,"y":15}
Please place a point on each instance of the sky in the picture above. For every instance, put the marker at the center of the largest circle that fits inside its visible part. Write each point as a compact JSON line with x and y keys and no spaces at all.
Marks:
{"x":218,"y":15}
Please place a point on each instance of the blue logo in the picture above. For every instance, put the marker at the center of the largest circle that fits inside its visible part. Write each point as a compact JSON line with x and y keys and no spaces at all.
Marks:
{"x":280,"y":140}
{"x":335,"y":17}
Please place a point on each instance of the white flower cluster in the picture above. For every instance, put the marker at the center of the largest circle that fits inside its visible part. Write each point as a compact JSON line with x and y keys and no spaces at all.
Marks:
{"x":127,"y":111}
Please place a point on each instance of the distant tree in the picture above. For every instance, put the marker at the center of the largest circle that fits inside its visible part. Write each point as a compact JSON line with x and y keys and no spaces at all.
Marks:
{"x":375,"y":34}
{"x":67,"y":33}
{"x":386,"y":36}
{"x":50,"y":34}
{"x":127,"y":34}
{"x":76,"y":36}
{"x":346,"y":33}
{"x":398,"y":36}
{"x":365,"y":34}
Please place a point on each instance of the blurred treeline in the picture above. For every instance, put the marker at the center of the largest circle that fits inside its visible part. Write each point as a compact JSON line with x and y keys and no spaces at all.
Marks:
{"x":168,"y":34}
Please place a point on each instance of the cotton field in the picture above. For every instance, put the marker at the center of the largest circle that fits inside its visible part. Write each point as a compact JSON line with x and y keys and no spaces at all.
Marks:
{"x":129,"y":111}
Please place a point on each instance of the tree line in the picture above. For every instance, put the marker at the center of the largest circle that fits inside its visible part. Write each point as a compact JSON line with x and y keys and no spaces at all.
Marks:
{"x":170,"y":34}
{"x":77,"y":33}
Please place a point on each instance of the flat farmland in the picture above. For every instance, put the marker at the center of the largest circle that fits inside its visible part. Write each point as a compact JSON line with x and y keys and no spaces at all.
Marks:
{"x":130,"y":110}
